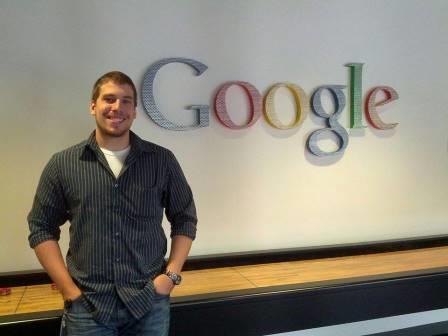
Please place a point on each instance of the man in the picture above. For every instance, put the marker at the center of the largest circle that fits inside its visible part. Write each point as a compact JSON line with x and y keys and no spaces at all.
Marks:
{"x":113,"y":189}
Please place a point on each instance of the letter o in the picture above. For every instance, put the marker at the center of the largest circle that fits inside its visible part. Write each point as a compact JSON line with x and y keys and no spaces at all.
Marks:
{"x":254,"y":99}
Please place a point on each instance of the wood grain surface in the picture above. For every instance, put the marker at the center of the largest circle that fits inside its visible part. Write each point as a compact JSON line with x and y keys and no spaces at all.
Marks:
{"x":43,"y":298}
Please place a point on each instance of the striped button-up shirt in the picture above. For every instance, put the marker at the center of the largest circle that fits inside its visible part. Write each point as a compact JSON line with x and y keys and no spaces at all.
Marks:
{"x":117,"y":243}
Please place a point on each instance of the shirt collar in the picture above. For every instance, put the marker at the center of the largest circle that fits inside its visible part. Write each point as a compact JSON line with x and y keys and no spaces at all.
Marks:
{"x":138,"y":145}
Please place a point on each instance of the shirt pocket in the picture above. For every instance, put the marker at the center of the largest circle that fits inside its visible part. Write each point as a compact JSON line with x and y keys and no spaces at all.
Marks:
{"x":147,"y":203}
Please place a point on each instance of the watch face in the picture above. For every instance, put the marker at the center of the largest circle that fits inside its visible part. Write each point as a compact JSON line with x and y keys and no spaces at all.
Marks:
{"x":176,"y":278}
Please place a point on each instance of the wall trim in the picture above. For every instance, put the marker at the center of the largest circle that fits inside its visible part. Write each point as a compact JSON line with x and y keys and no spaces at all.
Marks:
{"x":35,"y":277}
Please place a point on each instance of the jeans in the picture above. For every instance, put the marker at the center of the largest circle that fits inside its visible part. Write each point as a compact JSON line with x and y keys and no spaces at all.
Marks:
{"x":78,"y":321}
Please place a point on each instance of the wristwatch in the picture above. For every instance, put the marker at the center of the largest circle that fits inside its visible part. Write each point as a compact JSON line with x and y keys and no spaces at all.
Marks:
{"x":175,"y":278}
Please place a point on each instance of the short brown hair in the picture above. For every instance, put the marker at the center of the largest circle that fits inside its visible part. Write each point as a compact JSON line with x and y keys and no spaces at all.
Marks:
{"x":116,"y":77}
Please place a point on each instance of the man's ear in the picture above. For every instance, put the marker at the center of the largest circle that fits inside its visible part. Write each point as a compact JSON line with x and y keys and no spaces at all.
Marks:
{"x":92,"y":108}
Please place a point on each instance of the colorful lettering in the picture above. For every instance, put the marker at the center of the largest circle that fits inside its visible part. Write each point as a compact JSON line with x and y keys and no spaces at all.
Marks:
{"x":372,"y":104}
{"x":254,"y":100}
{"x":301,"y":103}
{"x":332,"y":119}
{"x":355,"y":95}
{"x":149,"y":103}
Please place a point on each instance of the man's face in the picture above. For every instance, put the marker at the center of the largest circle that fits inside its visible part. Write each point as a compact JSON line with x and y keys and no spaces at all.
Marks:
{"x":114,"y":109}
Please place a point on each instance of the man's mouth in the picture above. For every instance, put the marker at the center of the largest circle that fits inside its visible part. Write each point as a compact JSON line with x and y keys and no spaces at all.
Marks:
{"x":116,"y":120}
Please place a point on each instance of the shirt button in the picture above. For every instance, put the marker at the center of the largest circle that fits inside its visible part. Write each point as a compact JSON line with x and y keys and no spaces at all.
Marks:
{"x":116,"y":185}
{"x":117,"y":259}
{"x":117,"y":234}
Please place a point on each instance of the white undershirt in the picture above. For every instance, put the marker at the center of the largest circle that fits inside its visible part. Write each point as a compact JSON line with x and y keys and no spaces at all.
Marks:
{"x":116,"y":159}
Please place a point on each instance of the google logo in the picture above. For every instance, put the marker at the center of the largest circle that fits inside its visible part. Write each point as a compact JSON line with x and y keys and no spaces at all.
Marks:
{"x":266,"y":106}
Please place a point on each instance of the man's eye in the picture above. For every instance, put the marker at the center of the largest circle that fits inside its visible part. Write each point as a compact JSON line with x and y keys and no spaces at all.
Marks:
{"x":109,"y":99}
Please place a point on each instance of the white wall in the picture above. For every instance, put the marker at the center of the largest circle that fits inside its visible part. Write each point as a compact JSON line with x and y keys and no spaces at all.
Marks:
{"x":257,"y":188}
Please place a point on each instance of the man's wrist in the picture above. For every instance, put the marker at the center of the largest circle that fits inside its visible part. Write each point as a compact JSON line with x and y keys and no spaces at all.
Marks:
{"x":176,"y":278}
{"x":71,"y":294}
